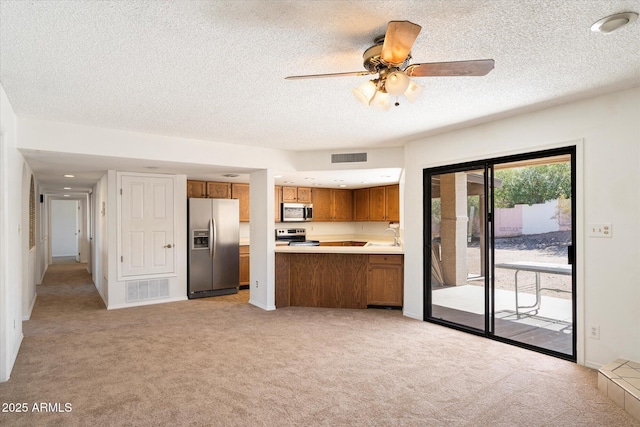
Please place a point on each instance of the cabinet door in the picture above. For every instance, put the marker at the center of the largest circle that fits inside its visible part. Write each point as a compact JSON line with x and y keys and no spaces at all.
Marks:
{"x":392,"y":203}
{"x":304,"y":195}
{"x":376,"y":204}
{"x":384,"y":285}
{"x":218,"y":190}
{"x":244,"y":265}
{"x":196,"y":189}
{"x":241,"y":192}
{"x":277,"y":199}
{"x":289,"y":194}
{"x":321,"y":198}
{"x":342,"y":205}
{"x":361,"y":204}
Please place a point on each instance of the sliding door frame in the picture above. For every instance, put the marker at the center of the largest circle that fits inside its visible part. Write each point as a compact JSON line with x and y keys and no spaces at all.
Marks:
{"x":489,"y":225}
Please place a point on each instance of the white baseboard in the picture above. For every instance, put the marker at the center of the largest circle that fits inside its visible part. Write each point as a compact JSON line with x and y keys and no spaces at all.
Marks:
{"x":593,"y":365}
{"x":149,"y":302}
{"x":13,"y":358}
{"x":27,"y":316}
{"x":412,"y":315}
{"x":262,"y":306}
{"x":43,"y":273}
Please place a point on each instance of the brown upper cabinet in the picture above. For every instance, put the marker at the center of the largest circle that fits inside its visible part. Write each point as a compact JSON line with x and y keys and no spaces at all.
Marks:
{"x":361,"y":204}
{"x":277,"y":199}
{"x":196,"y":189}
{"x":332,"y":204}
{"x":296,"y":194}
{"x":241,"y":192}
{"x":384,"y":203}
{"x":218,"y":190}
{"x":392,"y":202}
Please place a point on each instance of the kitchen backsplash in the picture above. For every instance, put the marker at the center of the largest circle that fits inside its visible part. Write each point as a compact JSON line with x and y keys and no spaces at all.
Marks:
{"x":327,"y":228}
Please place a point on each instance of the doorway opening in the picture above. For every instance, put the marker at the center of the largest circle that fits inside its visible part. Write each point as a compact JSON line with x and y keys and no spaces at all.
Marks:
{"x":65,"y":229}
{"x":499,"y":255}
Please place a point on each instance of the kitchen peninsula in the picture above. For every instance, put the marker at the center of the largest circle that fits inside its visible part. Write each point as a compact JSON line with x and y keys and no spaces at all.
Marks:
{"x":339,"y":276}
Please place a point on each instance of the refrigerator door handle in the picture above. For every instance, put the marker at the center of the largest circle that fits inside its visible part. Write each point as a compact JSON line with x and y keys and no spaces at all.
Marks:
{"x":210,"y":238}
{"x":215,"y":238}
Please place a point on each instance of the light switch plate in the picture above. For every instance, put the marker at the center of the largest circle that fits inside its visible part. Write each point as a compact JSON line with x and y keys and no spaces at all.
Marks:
{"x":600,"y":230}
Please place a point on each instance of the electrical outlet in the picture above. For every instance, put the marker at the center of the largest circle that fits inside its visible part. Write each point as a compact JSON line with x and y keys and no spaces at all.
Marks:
{"x":256,"y":283}
{"x":600,"y":230}
{"x":594,"y":332}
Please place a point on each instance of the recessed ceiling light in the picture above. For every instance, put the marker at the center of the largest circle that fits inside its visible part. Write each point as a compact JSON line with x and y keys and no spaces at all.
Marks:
{"x":288,"y":182}
{"x":614,"y":22}
{"x":308,"y":178}
{"x":151,"y":167}
{"x":231,"y":175}
{"x":342,"y":185}
{"x":69,"y":176}
{"x":67,"y":188}
{"x":66,"y":195}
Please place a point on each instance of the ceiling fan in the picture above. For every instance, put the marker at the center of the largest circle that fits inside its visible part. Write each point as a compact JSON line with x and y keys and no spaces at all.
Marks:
{"x":390,"y":58}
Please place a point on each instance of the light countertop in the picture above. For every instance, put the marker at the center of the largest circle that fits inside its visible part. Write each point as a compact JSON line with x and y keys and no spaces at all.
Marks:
{"x":383,"y":250}
{"x":376,"y":244}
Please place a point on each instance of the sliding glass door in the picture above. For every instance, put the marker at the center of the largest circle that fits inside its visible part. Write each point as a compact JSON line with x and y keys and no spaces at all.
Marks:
{"x":499,"y":249}
{"x":458,"y":254}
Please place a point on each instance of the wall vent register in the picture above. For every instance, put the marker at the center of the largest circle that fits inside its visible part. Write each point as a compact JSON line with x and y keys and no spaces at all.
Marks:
{"x":349,"y":158}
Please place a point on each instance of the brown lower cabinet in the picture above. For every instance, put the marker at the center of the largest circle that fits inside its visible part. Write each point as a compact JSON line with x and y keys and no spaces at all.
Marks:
{"x":244,"y":265}
{"x":384,"y":280}
{"x":338,"y":280}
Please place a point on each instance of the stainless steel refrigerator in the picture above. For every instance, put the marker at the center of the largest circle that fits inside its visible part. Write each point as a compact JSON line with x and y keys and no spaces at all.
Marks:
{"x":214,"y":247}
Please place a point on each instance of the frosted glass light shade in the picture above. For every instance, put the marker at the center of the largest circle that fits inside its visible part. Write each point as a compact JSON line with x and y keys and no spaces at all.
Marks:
{"x":365,"y":92}
{"x":413,"y":91}
{"x":382,"y":101}
{"x":396,"y":83}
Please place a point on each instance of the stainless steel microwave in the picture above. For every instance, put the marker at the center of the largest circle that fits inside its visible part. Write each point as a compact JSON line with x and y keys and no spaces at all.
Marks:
{"x":296,"y":212}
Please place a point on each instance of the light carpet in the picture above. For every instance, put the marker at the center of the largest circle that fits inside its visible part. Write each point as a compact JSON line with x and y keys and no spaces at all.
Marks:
{"x":222,"y":362}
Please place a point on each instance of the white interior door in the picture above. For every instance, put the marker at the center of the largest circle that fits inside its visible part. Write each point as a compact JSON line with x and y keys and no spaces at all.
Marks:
{"x":64,"y":228}
{"x":147,"y":225}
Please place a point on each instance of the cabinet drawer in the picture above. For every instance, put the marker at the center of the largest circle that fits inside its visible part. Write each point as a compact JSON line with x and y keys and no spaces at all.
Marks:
{"x":385,"y":259}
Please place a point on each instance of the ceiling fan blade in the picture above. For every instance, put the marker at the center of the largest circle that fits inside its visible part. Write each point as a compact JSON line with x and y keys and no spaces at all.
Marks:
{"x":479,"y":67}
{"x":398,"y":40}
{"x":316,"y":76}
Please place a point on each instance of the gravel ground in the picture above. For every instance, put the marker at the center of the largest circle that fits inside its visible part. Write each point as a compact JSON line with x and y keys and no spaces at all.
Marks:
{"x":547,"y":247}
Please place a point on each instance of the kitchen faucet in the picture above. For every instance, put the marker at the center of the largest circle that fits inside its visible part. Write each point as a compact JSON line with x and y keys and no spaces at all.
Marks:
{"x":395,"y":236}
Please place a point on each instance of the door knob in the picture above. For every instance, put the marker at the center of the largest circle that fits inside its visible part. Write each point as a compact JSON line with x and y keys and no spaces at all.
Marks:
{"x":169,"y":246}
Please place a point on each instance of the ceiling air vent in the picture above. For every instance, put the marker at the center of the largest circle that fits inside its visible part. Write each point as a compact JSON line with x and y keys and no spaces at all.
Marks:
{"x":349,"y":158}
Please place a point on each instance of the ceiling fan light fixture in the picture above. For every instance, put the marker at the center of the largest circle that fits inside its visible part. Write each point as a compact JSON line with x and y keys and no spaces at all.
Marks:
{"x":413,"y":91}
{"x":365,"y":92}
{"x":396,"y":83}
{"x":382,"y":101}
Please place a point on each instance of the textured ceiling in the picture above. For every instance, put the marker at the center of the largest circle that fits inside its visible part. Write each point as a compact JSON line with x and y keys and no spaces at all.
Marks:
{"x":215,"y":70}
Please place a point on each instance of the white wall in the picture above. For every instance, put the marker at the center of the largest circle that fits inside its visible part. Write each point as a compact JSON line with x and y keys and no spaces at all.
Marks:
{"x":64,"y":216}
{"x":100,"y":252}
{"x":262,"y":255}
{"x":607,"y":132}
{"x":11,"y":252}
{"x":70,"y":138}
{"x":42,"y":238}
